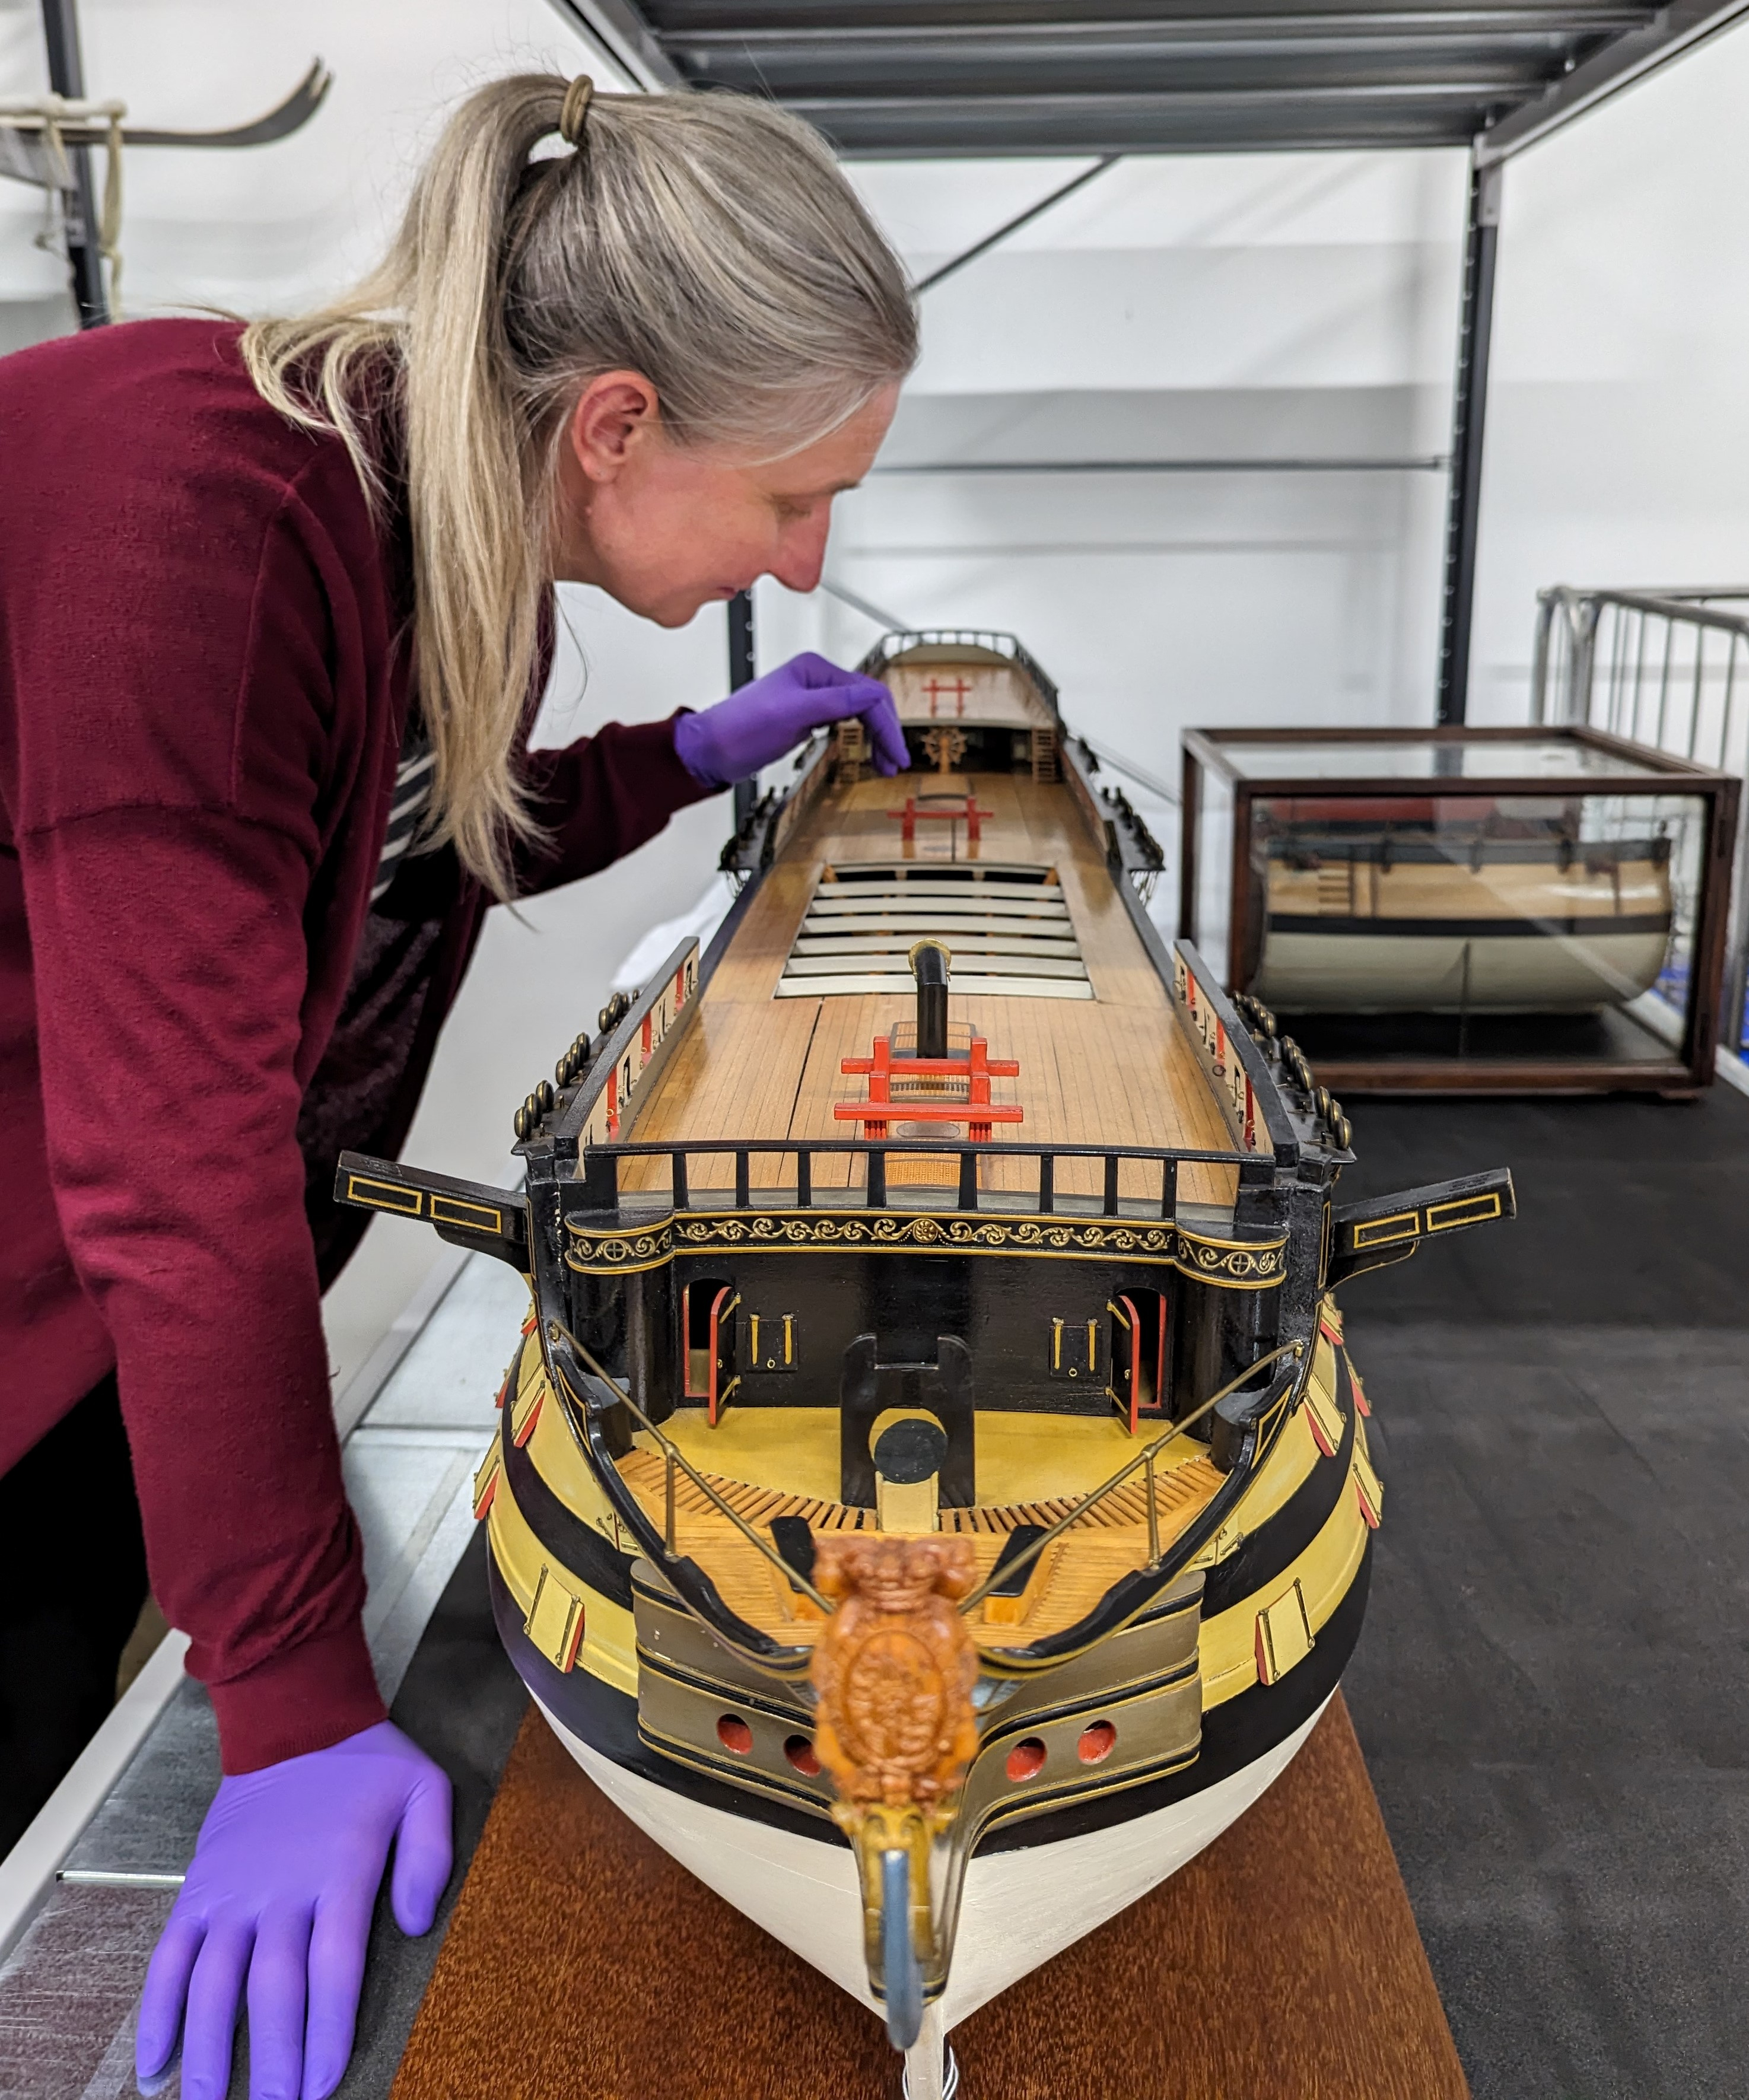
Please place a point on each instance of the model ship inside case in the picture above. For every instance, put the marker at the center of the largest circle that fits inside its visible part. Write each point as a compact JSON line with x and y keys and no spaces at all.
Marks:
{"x":933,"y":1496}
{"x":1465,"y":909}
{"x":1376,"y":905}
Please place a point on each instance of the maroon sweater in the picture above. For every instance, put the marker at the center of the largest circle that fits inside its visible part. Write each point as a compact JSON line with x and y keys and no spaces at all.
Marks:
{"x":204,"y":681}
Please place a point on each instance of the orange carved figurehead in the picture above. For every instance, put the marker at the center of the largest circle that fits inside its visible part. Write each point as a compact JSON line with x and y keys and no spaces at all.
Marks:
{"x":894,"y":1670}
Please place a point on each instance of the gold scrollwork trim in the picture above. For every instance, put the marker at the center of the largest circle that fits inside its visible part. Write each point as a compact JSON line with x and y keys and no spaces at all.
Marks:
{"x":620,"y":1254}
{"x":1230,"y":1265}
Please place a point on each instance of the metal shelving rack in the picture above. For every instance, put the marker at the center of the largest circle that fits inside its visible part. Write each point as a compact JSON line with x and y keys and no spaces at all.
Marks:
{"x":916,"y":78}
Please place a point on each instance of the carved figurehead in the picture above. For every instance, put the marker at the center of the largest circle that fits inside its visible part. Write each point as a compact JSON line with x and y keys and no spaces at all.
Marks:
{"x":893,"y":1674}
{"x":894,"y":1670}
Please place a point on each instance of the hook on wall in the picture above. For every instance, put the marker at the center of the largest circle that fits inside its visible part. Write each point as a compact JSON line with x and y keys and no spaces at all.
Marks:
{"x":45,"y":140}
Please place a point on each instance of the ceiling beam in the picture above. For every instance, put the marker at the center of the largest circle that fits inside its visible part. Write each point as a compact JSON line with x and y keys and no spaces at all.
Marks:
{"x":1287,"y":119}
{"x":1677,"y":28}
{"x":628,"y":39}
{"x":1041,"y":41}
{"x":1426,"y":113}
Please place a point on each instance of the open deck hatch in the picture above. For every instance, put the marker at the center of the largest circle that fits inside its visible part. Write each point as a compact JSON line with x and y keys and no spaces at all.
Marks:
{"x":1007,"y":927}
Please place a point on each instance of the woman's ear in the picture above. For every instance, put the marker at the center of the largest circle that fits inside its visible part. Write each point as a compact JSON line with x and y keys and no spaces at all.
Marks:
{"x":616,"y":413}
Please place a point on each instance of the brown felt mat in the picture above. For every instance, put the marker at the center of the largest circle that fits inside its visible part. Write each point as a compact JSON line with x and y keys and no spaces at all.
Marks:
{"x":1282,"y":1964}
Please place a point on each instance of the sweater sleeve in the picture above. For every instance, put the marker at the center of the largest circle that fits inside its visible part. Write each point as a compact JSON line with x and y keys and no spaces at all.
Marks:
{"x":180,"y":799}
{"x":599,"y":799}
{"x":169,"y":960}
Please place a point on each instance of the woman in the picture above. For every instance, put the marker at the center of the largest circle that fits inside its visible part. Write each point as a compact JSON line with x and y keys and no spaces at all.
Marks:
{"x":273,"y":602}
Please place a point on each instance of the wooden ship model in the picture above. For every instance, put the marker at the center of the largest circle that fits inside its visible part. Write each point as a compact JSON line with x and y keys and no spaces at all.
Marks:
{"x":933,"y":1498}
{"x":1375,"y":906}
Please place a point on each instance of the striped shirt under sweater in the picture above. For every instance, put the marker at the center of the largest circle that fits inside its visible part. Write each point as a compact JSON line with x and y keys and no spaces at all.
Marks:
{"x":412,"y":798}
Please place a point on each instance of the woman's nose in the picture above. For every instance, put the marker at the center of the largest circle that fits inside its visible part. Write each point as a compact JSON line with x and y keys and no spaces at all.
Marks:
{"x":801,"y":553}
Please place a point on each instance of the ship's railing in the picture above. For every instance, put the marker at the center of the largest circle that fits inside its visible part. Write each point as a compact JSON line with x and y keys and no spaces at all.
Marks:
{"x":1003,"y":643}
{"x":1669,"y":668}
{"x":1182,"y":1550}
{"x":599,"y":1172}
{"x":1146,"y":1462}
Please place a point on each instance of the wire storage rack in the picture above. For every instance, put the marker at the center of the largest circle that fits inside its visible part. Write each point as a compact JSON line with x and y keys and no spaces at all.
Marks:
{"x":1667,"y":668}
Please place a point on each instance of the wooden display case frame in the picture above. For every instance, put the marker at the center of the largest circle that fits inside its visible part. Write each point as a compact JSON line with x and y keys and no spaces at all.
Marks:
{"x":1688,"y":1070}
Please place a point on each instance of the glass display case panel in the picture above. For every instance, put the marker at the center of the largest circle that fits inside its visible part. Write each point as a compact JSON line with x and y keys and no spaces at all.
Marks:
{"x":1514,"y":925}
{"x":1532,"y":758}
{"x":1465,"y":909}
{"x":1212,"y":883}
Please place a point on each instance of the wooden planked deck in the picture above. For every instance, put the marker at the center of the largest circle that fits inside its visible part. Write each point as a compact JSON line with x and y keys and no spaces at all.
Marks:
{"x":1070,"y":1575}
{"x":1115,"y":1070}
{"x":1282,"y":1963}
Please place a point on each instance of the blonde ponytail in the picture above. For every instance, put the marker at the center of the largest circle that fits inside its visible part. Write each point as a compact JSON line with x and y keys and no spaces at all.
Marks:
{"x":710,"y":242}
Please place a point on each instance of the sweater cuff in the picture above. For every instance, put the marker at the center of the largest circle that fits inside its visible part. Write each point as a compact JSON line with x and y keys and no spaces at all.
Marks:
{"x":314,"y":1696}
{"x":678,"y":783}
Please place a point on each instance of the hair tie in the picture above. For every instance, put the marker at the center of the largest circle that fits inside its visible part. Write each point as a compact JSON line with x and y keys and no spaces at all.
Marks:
{"x":574,"y":111}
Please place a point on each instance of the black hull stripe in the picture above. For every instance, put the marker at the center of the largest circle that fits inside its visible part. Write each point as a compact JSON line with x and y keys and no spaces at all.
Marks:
{"x":1235,"y":1735}
{"x":1338,"y":844}
{"x":1603,"y":925}
{"x":568,"y":1542}
{"x":1278,"y":1543}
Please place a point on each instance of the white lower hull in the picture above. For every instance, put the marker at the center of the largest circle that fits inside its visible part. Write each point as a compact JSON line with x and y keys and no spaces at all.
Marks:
{"x":1384,"y":973}
{"x":1018,"y":1909}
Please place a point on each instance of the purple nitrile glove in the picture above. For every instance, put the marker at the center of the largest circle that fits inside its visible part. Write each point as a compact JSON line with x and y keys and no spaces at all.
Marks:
{"x":773,"y":714}
{"x":279,"y":1894}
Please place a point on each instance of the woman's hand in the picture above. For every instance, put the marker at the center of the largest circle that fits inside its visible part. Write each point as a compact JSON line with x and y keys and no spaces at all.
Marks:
{"x":279,"y":1896}
{"x":773,"y":714}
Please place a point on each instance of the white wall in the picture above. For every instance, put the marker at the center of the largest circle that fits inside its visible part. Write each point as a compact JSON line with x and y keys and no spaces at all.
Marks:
{"x":1250,"y":306}
{"x":273,"y":227}
{"x":1618,"y":440}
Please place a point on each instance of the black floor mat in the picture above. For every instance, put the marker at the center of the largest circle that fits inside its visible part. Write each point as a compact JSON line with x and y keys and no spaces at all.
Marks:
{"x":1552,"y":1690}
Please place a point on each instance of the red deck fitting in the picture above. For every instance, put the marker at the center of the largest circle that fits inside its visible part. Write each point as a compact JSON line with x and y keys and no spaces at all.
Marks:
{"x":965,"y":806}
{"x":956,"y":688}
{"x":975,"y":1109}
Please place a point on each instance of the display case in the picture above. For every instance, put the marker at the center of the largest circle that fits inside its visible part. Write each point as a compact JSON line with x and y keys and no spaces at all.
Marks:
{"x":1465,"y":910}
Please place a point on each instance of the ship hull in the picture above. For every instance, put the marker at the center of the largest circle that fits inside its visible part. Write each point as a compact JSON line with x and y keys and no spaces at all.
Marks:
{"x":933,"y":1508}
{"x":1413,"y":922}
{"x":1018,"y":1909}
{"x":1032,"y":1890}
{"x":1377,"y":967}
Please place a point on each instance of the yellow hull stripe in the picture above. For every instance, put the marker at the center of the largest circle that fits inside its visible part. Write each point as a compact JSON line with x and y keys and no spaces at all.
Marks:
{"x":1325,"y":1572}
{"x":610,"y":1638}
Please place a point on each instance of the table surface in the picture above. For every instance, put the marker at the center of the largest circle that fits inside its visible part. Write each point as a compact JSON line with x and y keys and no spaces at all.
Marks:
{"x":1283,"y":1961}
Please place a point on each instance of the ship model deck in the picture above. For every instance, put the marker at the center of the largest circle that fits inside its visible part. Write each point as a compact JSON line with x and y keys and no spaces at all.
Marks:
{"x":933,"y":1497}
